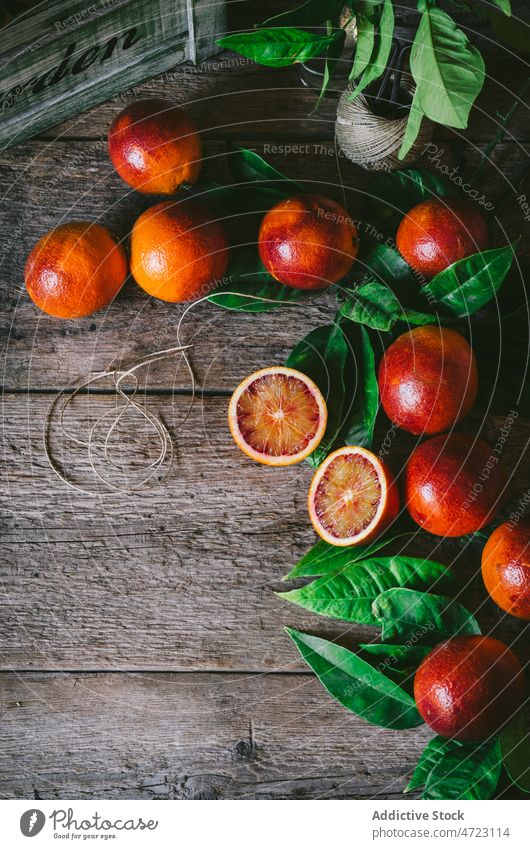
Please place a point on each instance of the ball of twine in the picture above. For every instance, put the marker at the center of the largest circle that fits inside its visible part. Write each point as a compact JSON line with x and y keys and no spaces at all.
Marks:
{"x":373,"y":141}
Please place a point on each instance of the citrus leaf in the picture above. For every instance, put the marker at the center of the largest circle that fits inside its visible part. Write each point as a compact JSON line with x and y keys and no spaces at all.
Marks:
{"x":449,"y":72}
{"x":249,"y":287}
{"x":277,"y":48}
{"x":515,"y":745}
{"x":397,"y":662}
{"x":405,"y":613}
{"x":416,"y":116}
{"x":382,"y":261}
{"x":359,"y":422}
{"x":348,"y":594}
{"x":381,"y":51}
{"x":393,"y":195}
{"x":238,"y":199}
{"x":449,"y":769}
{"x":356,"y":684}
{"x":504,"y":6}
{"x":331,"y":55}
{"x":465,"y":286}
{"x":377,"y":306}
{"x":322,"y":356}
{"x":430,"y":756}
{"x":464,"y":771}
{"x":364,"y":46}
{"x":326,"y":559}
{"x":248,"y":166}
{"x":403,"y":657}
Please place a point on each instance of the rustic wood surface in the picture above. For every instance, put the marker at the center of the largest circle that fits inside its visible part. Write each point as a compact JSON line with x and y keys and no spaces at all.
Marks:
{"x":142,"y":646}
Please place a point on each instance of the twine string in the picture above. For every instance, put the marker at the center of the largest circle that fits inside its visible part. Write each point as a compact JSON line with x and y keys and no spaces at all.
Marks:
{"x":371,"y":140}
{"x":102,"y":448}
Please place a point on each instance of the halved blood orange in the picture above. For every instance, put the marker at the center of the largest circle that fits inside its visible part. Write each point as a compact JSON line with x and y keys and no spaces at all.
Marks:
{"x":277,"y":416}
{"x":353,"y":497}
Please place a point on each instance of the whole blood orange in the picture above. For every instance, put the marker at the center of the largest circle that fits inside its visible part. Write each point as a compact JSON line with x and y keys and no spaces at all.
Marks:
{"x":437,"y":233}
{"x":428,"y":380}
{"x":352,"y":497}
{"x":178,"y":251}
{"x":277,"y":416}
{"x":155,"y":147}
{"x":308,"y":242}
{"x":454,"y":484}
{"x":468,"y":687}
{"x":506,"y":568}
{"x":75,"y":269}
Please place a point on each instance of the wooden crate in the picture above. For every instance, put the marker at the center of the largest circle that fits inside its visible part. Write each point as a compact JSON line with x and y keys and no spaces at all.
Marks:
{"x":58,"y":59}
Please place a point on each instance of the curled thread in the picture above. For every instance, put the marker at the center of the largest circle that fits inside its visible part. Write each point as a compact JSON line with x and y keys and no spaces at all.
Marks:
{"x":158,"y":469}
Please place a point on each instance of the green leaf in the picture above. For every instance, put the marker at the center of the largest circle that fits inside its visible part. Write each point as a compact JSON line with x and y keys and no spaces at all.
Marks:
{"x":364,"y":46}
{"x":332,"y":55}
{"x":449,"y":769}
{"x":470,"y":283}
{"x":309,"y":14}
{"x":416,"y":116}
{"x":322,"y":356}
{"x":376,"y":305}
{"x":448,"y":71}
{"x":350,"y":593}
{"x":515,"y":746}
{"x":356,"y":684}
{"x":359,"y":422}
{"x":403,"y":658}
{"x":405,"y":613}
{"x":250,"y":288}
{"x":386,"y":264}
{"x":397,"y":662}
{"x":237,"y":199}
{"x":430,"y":756}
{"x":393,"y":195}
{"x":277,"y":48}
{"x":247,"y":166}
{"x":326,"y":559}
{"x":382,"y":49}
{"x":504,"y":5}
{"x":464,"y":771}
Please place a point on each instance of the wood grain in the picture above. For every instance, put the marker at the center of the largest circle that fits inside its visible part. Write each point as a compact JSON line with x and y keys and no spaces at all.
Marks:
{"x":145,"y":736}
{"x":181,"y":577}
{"x":141,"y":639}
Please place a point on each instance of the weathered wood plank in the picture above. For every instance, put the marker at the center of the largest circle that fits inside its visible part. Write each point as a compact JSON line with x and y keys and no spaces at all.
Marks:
{"x":181,"y":577}
{"x":144,"y":736}
{"x":47,"y":184}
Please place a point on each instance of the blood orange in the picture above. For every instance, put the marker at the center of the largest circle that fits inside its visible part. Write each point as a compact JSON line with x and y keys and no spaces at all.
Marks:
{"x":277,"y":416}
{"x":352,"y":497}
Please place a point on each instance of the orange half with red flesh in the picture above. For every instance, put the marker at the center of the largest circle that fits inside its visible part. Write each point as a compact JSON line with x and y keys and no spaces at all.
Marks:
{"x":353,"y":497}
{"x":277,"y":416}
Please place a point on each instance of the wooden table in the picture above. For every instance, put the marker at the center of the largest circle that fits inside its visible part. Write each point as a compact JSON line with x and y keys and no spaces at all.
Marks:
{"x":142,"y":646}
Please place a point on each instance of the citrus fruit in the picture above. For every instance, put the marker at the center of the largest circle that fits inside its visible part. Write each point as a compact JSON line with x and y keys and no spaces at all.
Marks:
{"x":155,"y":147}
{"x":177,"y":251}
{"x":506,"y":568}
{"x":308,"y":242}
{"x":437,"y":233}
{"x":352,"y":497}
{"x":468,"y":687}
{"x":75,"y":269}
{"x":428,"y":380}
{"x":277,"y":416}
{"x":454,"y":484}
